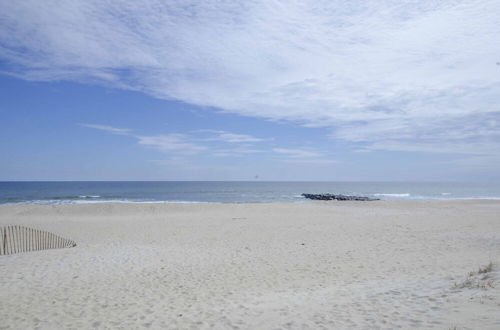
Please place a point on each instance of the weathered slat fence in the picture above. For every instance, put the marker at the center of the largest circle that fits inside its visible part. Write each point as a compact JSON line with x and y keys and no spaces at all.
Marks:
{"x":18,"y":239}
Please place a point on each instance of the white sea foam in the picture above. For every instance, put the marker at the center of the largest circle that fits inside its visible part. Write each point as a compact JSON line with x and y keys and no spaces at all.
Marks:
{"x":393,"y":195}
{"x":93,"y":201}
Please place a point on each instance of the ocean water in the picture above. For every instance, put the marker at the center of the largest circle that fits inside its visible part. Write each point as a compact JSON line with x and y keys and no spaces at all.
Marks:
{"x":233,"y":192}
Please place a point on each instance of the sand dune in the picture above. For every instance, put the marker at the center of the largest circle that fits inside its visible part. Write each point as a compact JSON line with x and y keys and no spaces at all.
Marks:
{"x":316,"y":265}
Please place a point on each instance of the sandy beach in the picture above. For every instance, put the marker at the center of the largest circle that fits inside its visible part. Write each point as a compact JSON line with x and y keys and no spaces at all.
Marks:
{"x":314,"y":265}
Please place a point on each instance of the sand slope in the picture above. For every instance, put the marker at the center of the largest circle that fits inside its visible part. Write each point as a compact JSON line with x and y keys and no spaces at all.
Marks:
{"x":315,"y":265}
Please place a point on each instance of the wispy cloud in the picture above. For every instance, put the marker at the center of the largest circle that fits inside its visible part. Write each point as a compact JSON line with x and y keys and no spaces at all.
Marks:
{"x":184,"y":164}
{"x":236,"y":151}
{"x":179,"y":146}
{"x":310,"y":161}
{"x":229,"y":137}
{"x":298,"y":153}
{"x":303,"y":156}
{"x":172,"y":143}
{"x":110,"y":129}
{"x":372,"y":71}
{"x":189,"y":144}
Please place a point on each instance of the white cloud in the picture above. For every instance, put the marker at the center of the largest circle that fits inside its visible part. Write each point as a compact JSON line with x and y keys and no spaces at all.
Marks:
{"x":229,"y":137}
{"x":235,"y":152}
{"x":312,"y":161}
{"x":185,"y":164}
{"x":110,"y":129}
{"x":305,"y":156}
{"x":177,"y":144}
{"x":373,"y":71}
{"x":189,"y":144}
{"x":172,"y":143}
{"x":298,"y":153}
{"x":237,"y":138}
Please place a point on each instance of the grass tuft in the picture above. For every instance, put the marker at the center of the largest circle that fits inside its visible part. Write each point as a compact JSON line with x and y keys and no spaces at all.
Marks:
{"x":473,"y":280}
{"x":486,"y":269}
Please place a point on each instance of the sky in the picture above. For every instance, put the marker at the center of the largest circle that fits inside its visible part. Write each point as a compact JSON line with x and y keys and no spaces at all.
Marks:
{"x":250,"y":90}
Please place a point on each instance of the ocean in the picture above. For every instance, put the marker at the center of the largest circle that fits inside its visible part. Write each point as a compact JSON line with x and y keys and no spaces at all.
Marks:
{"x":231,"y":191}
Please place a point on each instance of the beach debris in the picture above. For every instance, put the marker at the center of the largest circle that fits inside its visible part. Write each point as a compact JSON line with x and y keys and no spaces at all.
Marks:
{"x":330,"y":197}
{"x":18,"y":239}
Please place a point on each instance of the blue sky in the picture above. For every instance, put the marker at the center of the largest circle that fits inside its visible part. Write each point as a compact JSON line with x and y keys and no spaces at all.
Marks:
{"x":282,"y":90}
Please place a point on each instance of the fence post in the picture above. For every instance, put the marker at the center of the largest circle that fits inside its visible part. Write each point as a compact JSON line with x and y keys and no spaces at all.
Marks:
{"x":23,"y":235}
{"x":11,"y":240}
{"x":37,"y":241}
{"x":14,"y":236}
{"x":4,"y":240}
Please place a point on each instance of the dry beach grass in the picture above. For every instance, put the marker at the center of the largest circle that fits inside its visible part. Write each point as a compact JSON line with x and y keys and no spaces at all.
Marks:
{"x":314,"y":265}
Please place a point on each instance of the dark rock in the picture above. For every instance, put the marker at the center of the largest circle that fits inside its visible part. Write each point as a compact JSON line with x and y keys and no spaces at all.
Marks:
{"x":330,"y":197}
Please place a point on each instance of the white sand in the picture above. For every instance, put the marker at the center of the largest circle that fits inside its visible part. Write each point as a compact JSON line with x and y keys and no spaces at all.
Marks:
{"x":316,"y":265}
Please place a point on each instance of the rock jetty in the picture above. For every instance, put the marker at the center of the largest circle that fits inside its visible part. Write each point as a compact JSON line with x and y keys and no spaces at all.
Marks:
{"x":331,"y":197}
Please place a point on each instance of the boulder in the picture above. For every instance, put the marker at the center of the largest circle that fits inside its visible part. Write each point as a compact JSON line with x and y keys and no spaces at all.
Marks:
{"x":330,"y":197}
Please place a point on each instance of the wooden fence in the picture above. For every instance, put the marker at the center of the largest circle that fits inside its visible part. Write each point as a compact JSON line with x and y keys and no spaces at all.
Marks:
{"x":17,"y":239}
